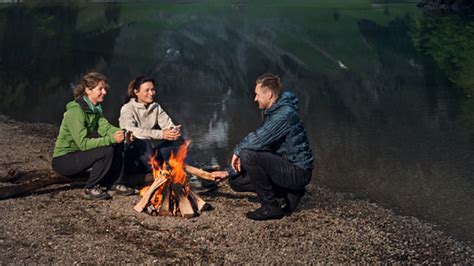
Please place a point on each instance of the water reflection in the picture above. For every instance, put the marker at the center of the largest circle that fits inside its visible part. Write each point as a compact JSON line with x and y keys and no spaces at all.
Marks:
{"x":383,"y":101}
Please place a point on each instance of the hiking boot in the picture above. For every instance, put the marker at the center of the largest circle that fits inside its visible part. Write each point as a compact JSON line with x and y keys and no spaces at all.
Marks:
{"x":123,"y":190}
{"x":97,"y":193}
{"x":266,"y":212}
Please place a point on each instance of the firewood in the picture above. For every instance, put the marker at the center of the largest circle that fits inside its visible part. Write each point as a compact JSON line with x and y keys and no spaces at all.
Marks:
{"x":185,"y":206}
{"x":198,"y":201}
{"x":149,"y":193}
{"x":165,"y":202}
{"x":199,"y":173}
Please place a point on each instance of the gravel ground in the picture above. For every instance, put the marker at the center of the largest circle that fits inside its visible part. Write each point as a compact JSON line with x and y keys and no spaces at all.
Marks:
{"x":56,"y":225}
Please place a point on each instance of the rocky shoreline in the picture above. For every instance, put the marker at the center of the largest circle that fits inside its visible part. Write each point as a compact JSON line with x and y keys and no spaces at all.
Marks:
{"x":56,"y":225}
{"x":457,"y":6}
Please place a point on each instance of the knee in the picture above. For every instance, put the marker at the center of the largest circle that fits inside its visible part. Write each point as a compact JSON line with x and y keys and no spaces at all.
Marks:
{"x":241,"y":184}
{"x":248,"y":157}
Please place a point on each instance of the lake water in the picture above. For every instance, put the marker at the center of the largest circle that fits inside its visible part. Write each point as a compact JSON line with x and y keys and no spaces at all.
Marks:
{"x":386,"y":91}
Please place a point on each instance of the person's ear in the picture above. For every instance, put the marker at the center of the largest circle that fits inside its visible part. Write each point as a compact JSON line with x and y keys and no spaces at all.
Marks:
{"x":270,"y":94}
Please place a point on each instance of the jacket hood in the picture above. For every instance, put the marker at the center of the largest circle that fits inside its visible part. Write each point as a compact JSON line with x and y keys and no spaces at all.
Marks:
{"x":287,"y":98}
{"x":79,"y":103}
{"x":74,"y":104}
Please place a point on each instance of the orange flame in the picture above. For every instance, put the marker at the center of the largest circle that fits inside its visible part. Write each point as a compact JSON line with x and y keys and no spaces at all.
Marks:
{"x":175,"y":173}
{"x":177,"y":163}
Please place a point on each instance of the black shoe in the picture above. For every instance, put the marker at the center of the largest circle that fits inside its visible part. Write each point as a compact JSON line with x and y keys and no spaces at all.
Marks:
{"x":97,"y":193}
{"x":123,"y":190}
{"x":266,"y":212}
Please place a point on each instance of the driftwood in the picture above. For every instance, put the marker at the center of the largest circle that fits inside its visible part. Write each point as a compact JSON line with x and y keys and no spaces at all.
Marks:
{"x":29,"y":181}
{"x":36,"y":179}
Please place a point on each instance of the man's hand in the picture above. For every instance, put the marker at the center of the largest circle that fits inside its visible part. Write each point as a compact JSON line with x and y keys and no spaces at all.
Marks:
{"x":119,"y":136}
{"x":220,"y":175}
{"x":235,"y":163}
{"x":172,"y":134}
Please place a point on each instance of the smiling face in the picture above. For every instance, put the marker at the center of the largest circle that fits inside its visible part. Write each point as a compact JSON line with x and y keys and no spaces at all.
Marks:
{"x":96,"y":95}
{"x":145,"y":93}
{"x":263,"y":96}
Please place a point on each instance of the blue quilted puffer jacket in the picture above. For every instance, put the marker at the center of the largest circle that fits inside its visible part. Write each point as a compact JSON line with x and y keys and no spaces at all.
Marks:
{"x":282,"y":133}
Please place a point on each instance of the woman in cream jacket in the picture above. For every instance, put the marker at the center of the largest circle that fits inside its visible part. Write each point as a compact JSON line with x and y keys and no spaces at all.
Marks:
{"x":150,"y":125}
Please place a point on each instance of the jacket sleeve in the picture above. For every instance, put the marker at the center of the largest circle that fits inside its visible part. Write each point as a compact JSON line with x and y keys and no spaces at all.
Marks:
{"x":105,"y":128}
{"x":128,"y":121}
{"x":75,"y":118}
{"x":263,"y":137}
{"x":164,"y":121}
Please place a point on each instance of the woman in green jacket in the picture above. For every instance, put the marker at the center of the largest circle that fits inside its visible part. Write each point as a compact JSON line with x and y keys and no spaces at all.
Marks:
{"x":87,"y":140}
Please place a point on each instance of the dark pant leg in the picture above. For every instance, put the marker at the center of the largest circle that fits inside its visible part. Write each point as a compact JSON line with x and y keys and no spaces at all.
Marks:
{"x":117,"y":174}
{"x":241,"y":183}
{"x":167,"y":147}
{"x":269,"y":173}
{"x":137,"y":156}
{"x":74,"y":163}
{"x":140,"y":151}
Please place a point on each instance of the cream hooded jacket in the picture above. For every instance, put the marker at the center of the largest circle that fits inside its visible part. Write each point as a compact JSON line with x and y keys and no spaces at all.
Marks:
{"x":142,"y":121}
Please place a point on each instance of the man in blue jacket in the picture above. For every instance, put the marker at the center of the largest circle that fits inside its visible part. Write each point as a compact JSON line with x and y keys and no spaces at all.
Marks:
{"x":275,"y":161}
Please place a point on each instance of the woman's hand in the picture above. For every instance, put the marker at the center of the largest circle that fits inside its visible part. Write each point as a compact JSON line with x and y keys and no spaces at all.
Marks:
{"x":172,"y":133}
{"x":119,"y":136}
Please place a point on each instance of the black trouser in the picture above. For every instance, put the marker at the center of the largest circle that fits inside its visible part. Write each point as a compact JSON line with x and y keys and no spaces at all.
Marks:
{"x":139,"y":152}
{"x":105,"y":162}
{"x":270,"y":175}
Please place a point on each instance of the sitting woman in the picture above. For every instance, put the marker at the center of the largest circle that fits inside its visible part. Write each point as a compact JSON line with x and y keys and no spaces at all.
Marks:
{"x":150,"y":125}
{"x":87,"y":140}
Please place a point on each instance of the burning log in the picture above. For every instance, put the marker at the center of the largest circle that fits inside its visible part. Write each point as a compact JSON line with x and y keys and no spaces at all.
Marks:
{"x":149,"y":193}
{"x":198,"y":201}
{"x":185,"y":207}
{"x":165,"y":203}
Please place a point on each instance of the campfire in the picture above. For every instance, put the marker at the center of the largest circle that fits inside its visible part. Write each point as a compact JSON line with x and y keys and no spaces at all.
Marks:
{"x":170,"y":193}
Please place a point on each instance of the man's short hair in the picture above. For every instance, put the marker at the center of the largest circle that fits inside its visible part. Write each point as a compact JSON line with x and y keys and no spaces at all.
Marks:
{"x":271,"y":82}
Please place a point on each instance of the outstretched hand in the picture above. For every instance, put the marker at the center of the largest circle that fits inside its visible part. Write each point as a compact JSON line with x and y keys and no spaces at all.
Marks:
{"x":220,"y":175}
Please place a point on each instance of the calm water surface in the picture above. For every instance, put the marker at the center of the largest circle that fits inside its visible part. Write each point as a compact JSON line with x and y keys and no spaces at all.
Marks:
{"x":386,"y":91}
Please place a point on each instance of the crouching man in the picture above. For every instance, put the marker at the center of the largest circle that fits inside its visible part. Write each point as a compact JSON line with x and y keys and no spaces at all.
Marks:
{"x":275,"y":161}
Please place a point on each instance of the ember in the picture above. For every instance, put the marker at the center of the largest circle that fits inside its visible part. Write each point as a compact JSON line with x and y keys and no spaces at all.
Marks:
{"x":170,"y":193}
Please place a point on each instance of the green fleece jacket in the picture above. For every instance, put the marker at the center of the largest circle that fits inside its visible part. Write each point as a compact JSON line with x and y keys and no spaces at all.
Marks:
{"x":83,"y":129}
